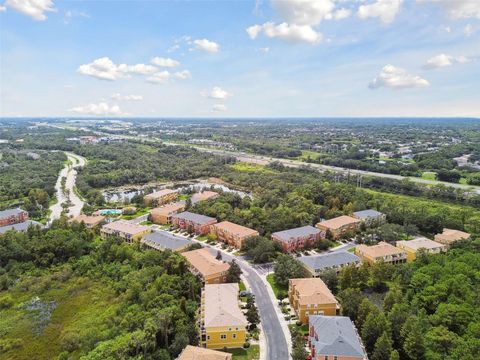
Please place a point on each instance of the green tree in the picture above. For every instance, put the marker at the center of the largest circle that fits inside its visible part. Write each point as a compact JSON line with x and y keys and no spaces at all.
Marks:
{"x":383,"y":347}
{"x":350,"y":300}
{"x":286,"y":268}
{"x":375,"y":325}
{"x":233,"y":273}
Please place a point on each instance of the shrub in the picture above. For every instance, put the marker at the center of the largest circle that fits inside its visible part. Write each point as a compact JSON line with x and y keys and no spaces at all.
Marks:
{"x":246,"y":345}
{"x":298,"y":323}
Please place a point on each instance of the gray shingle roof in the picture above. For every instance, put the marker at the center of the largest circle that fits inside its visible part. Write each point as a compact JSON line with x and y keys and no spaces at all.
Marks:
{"x":365,"y":214}
{"x":196,"y":218}
{"x":165,"y":240}
{"x":20,"y":226}
{"x":10,"y":212}
{"x":337,"y":258}
{"x":336,"y":336}
{"x":286,"y":235}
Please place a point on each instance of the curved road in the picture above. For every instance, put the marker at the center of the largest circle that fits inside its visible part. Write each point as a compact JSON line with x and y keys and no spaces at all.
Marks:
{"x":70,"y":173}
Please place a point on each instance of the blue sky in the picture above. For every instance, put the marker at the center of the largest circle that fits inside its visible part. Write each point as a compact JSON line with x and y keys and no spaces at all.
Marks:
{"x":240,"y":58}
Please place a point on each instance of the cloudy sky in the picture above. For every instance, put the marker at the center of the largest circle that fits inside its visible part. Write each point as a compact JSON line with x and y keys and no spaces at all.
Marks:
{"x":240,"y":58}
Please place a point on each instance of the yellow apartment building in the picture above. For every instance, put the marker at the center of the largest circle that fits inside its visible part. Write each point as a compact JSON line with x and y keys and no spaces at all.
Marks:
{"x":381,"y":252}
{"x":159,"y":198}
{"x":163,"y":215}
{"x":449,"y":236}
{"x":198,"y":353}
{"x":339,"y":226}
{"x":232,"y":234}
{"x":222,"y":323}
{"x":206,"y":266}
{"x":311,"y":296}
{"x":411,"y":247}
{"x":126,"y":230}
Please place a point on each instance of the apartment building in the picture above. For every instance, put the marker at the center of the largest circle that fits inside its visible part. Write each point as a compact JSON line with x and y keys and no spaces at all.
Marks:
{"x":12,"y":216}
{"x":334,"y":338}
{"x":206,"y":266}
{"x":381,"y":252}
{"x":198,"y":353}
{"x":222,"y":322}
{"x":311,"y":296}
{"x":339,"y":226}
{"x":191,"y":222}
{"x":316,"y":264}
{"x":89,"y":221}
{"x":163,"y":215}
{"x":163,"y":240}
{"x":370,"y":217}
{"x":159,"y":198}
{"x":126,"y":230}
{"x":232,"y":234}
{"x":297,"y":238}
{"x":411,"y":247}
{"x":449,"y":236}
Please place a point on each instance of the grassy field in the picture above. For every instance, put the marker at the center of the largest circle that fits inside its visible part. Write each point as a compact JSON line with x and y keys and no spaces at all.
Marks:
{"x":428,"y":175}
{"x":308,"y":154}
{"x":241,"y":166}
{"x":276,"y":289}
{"x":80,"y":316}
{"x":139,"y":212}
{"x":252,"y":353}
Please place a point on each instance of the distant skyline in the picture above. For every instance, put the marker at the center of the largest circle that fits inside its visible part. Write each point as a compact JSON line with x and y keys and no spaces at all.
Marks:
{"x":290,"y":58}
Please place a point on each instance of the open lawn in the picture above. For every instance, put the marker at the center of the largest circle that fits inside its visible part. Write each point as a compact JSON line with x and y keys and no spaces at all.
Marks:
{"x":139,"y":212}
{"x":241,"y":166}
{"x":306,"y":154}
{"x":276,"y":289}
{"x":428,"y":175}
{"x":252,"y":353}
{"x":80,"y":313}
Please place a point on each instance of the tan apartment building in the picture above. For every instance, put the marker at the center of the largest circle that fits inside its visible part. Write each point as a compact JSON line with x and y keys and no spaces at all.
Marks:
{"x":126,"y":230}
{"x":381,"y":252}
{"x":191,"y":222}
{"x":199,"y":353}
{"x":310,"y":296}
{"x":159,"y":198}
{"x":449,"y":236}
{"x":232,"y":234}
{"x":411,"y":247}
{"x":339,"y":226}
{"x":163,"y":215}
{"x":222,"y":322}
{"x":203,"y":196}
{"x":206,"y":266}
{"x":297,"y":238}
{"x":89,"y":221}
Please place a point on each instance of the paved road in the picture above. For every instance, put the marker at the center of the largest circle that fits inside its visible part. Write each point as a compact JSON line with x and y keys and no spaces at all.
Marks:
{"x":70,"y":173}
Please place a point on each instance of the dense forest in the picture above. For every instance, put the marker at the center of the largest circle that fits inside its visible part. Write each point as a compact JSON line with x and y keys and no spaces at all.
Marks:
{"x":92,"y":299}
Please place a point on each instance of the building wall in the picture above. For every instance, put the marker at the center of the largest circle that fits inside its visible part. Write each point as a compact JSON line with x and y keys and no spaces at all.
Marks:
{"x":301,"y":310}
{"x":14,"y":219}
{"x":337,"y":233}
{"x":412,"y":254}
{"x":161,"y":200}
{"x":199,"y":229}
{"x":218,"y":278}
{"x":297,"y":243}
{"x":233,"y":338}
{"x":129,"y":238}
{"x":229,"y":238}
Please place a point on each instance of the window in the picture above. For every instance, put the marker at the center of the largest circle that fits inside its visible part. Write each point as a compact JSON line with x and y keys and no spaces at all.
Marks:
{"x":335,"y":357}
{"x":234,"y":335}
{"x":229,"y":329}
{"x":326,"y":357}
{"x":306,"y":313}
{"x":223,"y":336}
{"x":208,"y":337}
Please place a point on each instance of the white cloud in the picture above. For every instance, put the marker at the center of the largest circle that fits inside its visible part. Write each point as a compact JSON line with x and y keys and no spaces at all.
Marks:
{"x":106,"y":69}
{"x":386,"y":10}
{"x":289,"y":32}
{"x":458,"y":9}
{"x":161,"y":77}
{"x":36,"y":9}
{"x":100,"y":109}
{"x":165,"y":62}
{"x":131,"y":97}
{"x":468,"y":30}
{"x":69,"y":14}
{"x":443,"y":60}
{"x":207,"y":45}
{"x":182,"y":75}
{"x":3,"y":8}
{"x":304,"y":12}
{"x":397,"y":78}
{"x":219,"y":108}
{"x":341,"y":14}
{"x":217,"y":93}
{"x":264,"y":50}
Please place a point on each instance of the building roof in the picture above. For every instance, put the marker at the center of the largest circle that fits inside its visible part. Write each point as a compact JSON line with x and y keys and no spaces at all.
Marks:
{"x":199,"y":353}
{"x":337,"y":258}
{"x":336,"y":336}
{"x":195,"y":218}
{"x":19,"y":226}
{"x":312,"y":291}
{"x":205,"y":262}
{"x":292,"y":234}
{"x":367,"y":214}
{"x":89,"y":220}
{"x":126,"y":227}
{"x":11,"y":212}
{"x":160,"y":193}
{"x":168,"y":209}
{"x":380,"y":250}
{"x":203,"y":195}
{"x":338,"y":222}
{"x":164,"y":240}
{"x":419,"y":243}
{"x":221,"y":306}
{"x":235,"y":229}
{"x":449,"y":236}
